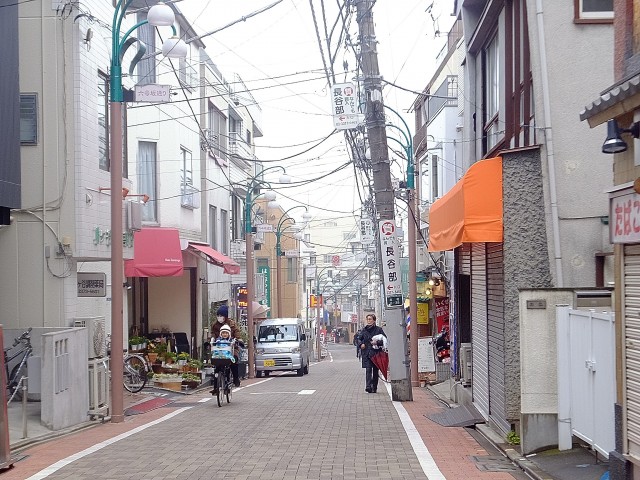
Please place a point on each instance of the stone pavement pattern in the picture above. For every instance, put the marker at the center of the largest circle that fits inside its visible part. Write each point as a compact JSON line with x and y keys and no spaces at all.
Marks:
{"x":270,"y":431}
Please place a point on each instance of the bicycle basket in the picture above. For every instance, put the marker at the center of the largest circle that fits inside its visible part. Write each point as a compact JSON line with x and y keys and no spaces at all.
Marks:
{"x":223,"y":351}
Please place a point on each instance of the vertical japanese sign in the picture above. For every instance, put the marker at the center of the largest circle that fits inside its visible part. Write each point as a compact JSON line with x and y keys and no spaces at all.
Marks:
{"x":390,"y":263}
{"x":264,"y":269}
{"x":441,"y":306}
{"x":366,"y":231}
{"x":344,"y":107}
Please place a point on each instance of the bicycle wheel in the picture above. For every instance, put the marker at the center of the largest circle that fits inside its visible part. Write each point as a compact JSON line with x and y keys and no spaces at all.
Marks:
{"x":220,"y":387}
{"x":135,"y":374}
{"x":228,"y":387}
{"x":16,"y":385}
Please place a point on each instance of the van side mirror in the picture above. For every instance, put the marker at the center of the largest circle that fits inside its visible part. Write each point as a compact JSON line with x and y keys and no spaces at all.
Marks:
{"x":303,"y":337}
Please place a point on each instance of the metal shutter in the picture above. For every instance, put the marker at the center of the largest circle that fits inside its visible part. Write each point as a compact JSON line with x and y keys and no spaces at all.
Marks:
{"x":495,"y":323}
{"x":479,"y":346}
{"x":632,"y":347}
{"x":464,"y":259}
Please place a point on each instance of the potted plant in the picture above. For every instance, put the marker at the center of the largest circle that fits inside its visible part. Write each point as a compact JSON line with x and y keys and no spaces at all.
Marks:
{"x":170,"y":357}
{"x":152,"y":352}
{"x":194,"y":365}
{"x":183,"y":358}
{"x":135,"y":343}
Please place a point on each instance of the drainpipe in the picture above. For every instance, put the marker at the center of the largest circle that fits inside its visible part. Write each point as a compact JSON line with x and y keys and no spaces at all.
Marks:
{"x":548,"y":133}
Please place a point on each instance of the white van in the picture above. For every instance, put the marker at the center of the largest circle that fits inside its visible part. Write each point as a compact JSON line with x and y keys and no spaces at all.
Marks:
{"x":282,"y":344}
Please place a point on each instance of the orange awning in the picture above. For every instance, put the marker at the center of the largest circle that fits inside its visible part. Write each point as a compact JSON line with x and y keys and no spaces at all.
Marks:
{"x":471,"y":211}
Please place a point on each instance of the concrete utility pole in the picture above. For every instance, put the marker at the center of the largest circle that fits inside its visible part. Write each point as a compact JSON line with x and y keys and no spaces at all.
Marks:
{"x":383,"y":190}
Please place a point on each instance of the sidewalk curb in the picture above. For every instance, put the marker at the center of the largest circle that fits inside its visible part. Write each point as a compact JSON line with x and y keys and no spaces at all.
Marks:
{"x":493,"y":438}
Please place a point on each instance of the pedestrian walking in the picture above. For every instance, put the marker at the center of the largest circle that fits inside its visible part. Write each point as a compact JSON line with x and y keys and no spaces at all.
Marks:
{"x":367,"y":350}
{"x":356,"y":343}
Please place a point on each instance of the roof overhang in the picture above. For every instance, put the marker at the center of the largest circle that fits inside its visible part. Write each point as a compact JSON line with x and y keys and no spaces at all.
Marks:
{"x":621,"y":98}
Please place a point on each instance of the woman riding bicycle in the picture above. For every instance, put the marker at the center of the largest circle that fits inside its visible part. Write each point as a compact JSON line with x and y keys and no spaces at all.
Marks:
{"x":225,"y":340}
{"x":223,"y":320}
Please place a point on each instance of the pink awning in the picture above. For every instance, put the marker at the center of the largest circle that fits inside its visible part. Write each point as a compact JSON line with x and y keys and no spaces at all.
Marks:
{"x":216,"y":258}
{"x":156,"y":253}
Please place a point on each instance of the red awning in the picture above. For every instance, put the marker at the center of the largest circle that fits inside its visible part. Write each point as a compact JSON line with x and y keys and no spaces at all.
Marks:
{"x":156,"y":253}
{"x":216,"y":258}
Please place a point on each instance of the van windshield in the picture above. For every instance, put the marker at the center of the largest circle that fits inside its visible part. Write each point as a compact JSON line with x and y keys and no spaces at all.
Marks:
{"x":278,"y":333}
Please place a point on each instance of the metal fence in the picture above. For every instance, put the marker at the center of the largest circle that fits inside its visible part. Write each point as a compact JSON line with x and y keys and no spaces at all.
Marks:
{"x":586,"y":378}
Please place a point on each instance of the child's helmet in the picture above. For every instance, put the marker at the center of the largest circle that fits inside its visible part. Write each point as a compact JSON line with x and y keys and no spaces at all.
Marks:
{"x":225,"y":328}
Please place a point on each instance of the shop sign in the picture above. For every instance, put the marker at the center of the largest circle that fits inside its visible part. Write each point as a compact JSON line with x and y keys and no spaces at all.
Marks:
{"x":266,"y":275}
{"x":152,"y":93}
{"x":624,"y":218}
{"x":315,"y":300}
{"x":426,"y":361}
{"x":264,"y":228}
{"x":389,"y":248}
{"x":241,"y":297}
{"x":441,"y":306}
{"x":423,"y":313}
{"x":92,"y":284}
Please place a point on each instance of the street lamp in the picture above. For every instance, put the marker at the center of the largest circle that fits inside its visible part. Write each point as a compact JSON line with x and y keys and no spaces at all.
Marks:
{"x":159,"y":15}
{"x":280,"y":229}
{"x":319,"y":304}
{"x":253,"y":183}
{"x":411,"y":225}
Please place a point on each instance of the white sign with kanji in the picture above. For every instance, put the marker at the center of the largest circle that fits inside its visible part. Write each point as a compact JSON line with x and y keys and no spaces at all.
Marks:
{"x":390,"y":250}
{"x":344,"y":106}
{"x":366,"y":231}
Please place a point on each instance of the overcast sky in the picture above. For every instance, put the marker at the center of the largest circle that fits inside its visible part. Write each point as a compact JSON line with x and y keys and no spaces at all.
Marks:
{"x":278,"y":56}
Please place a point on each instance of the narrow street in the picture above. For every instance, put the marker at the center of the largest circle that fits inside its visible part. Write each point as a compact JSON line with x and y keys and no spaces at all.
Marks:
{"x":320,"y":426}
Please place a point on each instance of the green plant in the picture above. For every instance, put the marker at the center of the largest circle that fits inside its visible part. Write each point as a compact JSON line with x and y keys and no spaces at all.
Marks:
{"x":513,"y":438}
{"x":190,"y":377}
{"x":135,"y":340}
{"x":183,"y":356}
{"x":170,"y":355}
{"x":195,"y":363}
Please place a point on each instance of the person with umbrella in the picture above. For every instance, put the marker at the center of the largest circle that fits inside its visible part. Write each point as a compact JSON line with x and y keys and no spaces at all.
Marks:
{"x":368,"y":350}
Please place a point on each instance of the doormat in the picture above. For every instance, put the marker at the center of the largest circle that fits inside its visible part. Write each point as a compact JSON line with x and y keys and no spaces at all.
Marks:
{"x":147,"y":406}
{"x":462,"y":416}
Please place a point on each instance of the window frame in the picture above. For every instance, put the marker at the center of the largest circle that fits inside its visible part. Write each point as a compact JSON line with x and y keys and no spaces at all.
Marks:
{"x":601,"y":16}
{"x":33,"y":120}
{"x":149,"y":209}
{"x":491,"y":94}
{"x":292,"y":269}
{"x":224,"y":231}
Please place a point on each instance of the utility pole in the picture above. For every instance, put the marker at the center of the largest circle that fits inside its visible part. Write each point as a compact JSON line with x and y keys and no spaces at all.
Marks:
{"x":383,"y":190}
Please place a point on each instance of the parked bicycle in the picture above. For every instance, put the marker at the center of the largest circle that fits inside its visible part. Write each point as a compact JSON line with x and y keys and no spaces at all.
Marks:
{"x":136,"y":372}
{"x":19,"y":371}
{"x":136,"y":369}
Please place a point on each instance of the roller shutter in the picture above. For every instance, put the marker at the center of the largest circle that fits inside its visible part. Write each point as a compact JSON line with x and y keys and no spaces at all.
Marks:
{"x":480,"y":387}
{"x":495,"y":334}
{"x":632,"y":347}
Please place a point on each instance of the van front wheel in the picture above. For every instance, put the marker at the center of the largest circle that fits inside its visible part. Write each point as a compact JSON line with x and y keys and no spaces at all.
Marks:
{"x":300,"y":372}
{"x":258,"y":374}
{"x":305,"y":370}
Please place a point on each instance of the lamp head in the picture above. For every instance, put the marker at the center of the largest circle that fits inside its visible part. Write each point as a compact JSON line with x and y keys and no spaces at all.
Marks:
{"x":273,"y":204}
{"x":161,"y":15}
{"x":174,"y":47}
{"x":614,"y":143}
{"x":270,"y":196}
{"x":306,"y":216}
{"x":284,"y":178}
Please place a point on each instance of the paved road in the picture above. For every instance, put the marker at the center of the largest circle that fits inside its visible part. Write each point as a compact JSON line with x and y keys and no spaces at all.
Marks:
{"x":320,"y":426}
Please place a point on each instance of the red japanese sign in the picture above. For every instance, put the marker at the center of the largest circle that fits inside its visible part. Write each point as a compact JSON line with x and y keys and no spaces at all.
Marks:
{"x":441,"y":306}
{"x":624,"y":218}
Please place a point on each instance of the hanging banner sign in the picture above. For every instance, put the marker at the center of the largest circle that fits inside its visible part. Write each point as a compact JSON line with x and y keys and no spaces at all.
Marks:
{"x":441,"y":306}
{"x":264,"y":228}
{"x":389,"y":248}
{"x":344,"y":106}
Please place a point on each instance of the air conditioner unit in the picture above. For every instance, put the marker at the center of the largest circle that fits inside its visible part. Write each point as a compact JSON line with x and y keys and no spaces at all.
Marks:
{"x":98,"y":386}
{"x":189,"y":198}
{"x":97,"y":335}
{"x":134,"y":215}
{"x":466,"y":364}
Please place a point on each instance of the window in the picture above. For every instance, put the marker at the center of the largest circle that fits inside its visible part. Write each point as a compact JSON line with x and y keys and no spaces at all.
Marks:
{"x":224,"y":231}
{"x":327,"y":258}
{"x":491,"y":94}
{"x":593,"y":10}
{"x":104,"y":125}
{"x":147,"y":66}
{"x":217,"y":137}
{"x":435,"y":192}
{"x":103,"y":121}
{"x":292,"y":269}
{"x":28,"y":119}
{"x":237,"y":218}
{"x":188,"y":74}
{"x":213,"y":227}
{"x":147,"y":171}
{"x":312,"y":260}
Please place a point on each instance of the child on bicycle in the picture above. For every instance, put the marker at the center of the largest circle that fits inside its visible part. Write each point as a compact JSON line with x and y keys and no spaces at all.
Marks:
{"x":224,"y":339}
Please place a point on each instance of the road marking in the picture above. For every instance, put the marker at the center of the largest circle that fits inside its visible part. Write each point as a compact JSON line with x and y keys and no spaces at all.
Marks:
{"x":271,"y":393}
{"x":306,"y":392}
{"x":44,"y":473}
{"x":427,"y":462}
{"x":202,"y":400}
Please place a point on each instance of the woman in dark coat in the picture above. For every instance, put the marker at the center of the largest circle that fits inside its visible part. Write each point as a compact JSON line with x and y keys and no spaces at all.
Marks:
{"x":367,"y":351}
